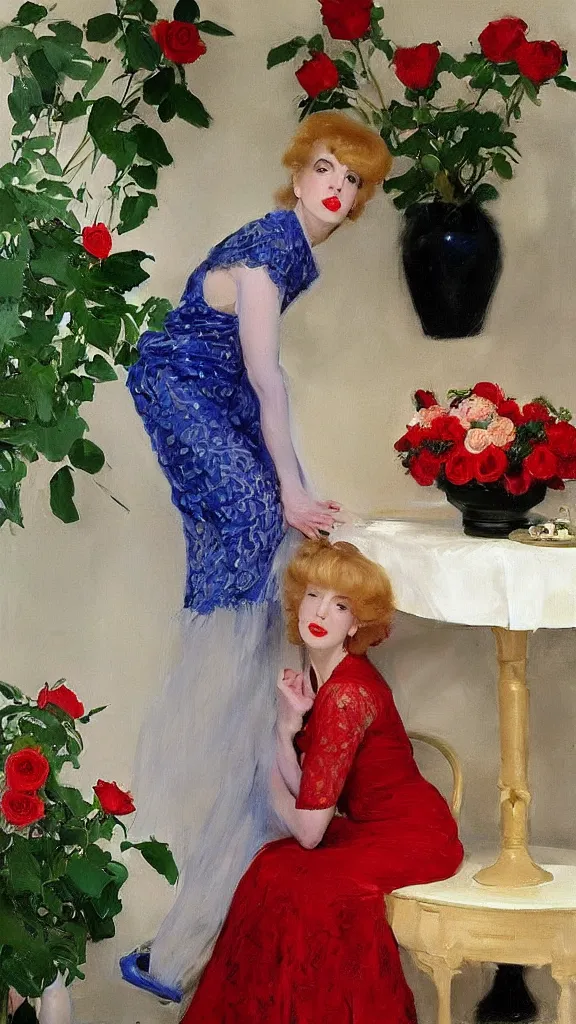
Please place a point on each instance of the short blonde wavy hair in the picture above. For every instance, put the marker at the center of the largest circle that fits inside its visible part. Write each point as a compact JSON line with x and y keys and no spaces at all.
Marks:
{"x":352,"y":143}
{"x":343,"y":568}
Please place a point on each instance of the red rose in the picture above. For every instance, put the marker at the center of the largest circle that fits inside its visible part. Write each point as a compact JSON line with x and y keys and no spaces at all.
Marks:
{"x":568,"y":469}
{"x":179,"y":41}
{"x":415,"y":65}
{"x":411,"y":439}
{"x":425,"y":468}
{"x":346,"y":19}
{"x":459,"y":468}
{"x":21,"y":808}
{"x":424,"y":399}
{"x":556,"y":483}
{"x":539,"y":61}
{"x":26,"y":770}
{"x":562,"y":439}
{"x":501,"y":39}
{"x":112,"y":799}
{"x":446,"y":428}
{"x":518,"y":483}
{"x":541,"y":463}
{"x":536,"y":411}
{"x":484,"y":389}
{"x":491,"y":464}
{"x":511,"y":410}
{"x":63,"y":698}
{"x":97,"y":240}
{"x":318,"y":74}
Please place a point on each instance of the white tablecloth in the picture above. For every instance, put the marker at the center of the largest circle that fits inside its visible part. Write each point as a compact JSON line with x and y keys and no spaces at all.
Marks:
{"x":438,"y":573}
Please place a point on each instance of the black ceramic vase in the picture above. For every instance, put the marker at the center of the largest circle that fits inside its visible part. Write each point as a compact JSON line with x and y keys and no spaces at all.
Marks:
{"x":488,"y":510}
{"x":452,"y":261}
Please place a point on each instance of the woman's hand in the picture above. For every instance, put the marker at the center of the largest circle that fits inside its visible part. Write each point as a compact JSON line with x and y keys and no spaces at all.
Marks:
{"x":307,"y":515}
{"x":295,"y":698}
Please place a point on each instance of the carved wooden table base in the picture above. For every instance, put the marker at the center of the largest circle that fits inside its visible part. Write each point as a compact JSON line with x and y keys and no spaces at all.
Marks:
{"x":446,"y":924}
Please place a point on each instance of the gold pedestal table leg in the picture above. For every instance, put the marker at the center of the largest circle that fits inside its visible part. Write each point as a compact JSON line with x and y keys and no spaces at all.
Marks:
{"x":514,"y":867}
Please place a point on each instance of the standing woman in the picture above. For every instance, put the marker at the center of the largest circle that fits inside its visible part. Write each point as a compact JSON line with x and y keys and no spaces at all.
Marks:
{"x":210,"y":391}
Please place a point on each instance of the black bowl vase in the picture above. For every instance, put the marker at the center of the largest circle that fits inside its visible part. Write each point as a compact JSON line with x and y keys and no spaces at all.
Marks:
{"x":489,"y":511}
{"x":452,"y":261}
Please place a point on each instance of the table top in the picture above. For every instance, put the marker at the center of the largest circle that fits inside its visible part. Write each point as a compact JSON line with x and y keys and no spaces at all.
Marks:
{"x":462,"y":891}
{"x":439,"y":573}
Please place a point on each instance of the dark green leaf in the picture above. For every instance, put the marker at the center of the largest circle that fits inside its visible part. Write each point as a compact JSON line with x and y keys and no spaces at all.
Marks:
{"x":75,"y":801}
{"x":53,"y":264}
{"x":158,"y":855}
{"x":402,"y":117}
{"x":157,"y":86}
{"x":189,"y":107}
{"x":99,"y":928}
{"x":186,"y":10}
{"x":106,"y":114}
{"x":143,"y":174}
{"x":55,"y":442}
{"x":485,"y":193}
{"x":134,"y":210}
{"x":100,"y":369}
{"x":15,"y":399}
{"x":72,"y":109}
{"x":150,"y":145}
{"x":50,"y":164}
{"x":98,"y":68}
{"x":156,"y":313}
{"x":502,"y":167}
{"x":431,"y":164}
{"x":67,"y":33}
{"x":73,"y":353}
{"x":347,"y":76}
{"x":316,"y":45}
{"x":103,"y":28}
{"x":44,"y":74}
{"x":285,"y":52}
{"x":385,"y":45}
{"x":142,"y":50}
{"x":563,"y":82}
{"x":61,"y":496}
{"x":102,"y":330}
{"x":120,"y":147}
{"x":87,"y":877}
{"x":167,"y":109}
{"x":23,"y":868}
{"x":11,"y":278}
{"x":87,"y":456}
{"x":212,"y":29}
{"x":26,"y":96}
{"x":42,"y":383}
{"x":11,"y":37}
{"x":73,"y":835}
{"x":30,"y":14}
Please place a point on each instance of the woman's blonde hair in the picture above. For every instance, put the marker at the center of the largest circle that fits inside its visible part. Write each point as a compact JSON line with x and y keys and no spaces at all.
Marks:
{"x":343,"y":568}
{"x":361,"y":149}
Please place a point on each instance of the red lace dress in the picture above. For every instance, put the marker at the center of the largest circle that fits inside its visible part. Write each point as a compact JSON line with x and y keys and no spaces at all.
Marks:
{"x":306,"y":939}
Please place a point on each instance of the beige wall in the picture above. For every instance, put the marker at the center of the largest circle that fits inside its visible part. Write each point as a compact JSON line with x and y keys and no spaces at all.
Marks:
{"x":93,"y":601}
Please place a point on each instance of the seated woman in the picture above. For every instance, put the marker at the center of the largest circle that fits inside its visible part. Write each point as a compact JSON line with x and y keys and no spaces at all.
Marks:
{"x":306,"y":939}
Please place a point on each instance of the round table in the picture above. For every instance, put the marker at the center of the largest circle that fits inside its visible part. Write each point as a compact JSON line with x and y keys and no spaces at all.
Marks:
{"x":438,"y":573}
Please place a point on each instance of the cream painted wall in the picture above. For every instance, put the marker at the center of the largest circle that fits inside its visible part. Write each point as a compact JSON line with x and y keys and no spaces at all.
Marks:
{"x":93,"y":601}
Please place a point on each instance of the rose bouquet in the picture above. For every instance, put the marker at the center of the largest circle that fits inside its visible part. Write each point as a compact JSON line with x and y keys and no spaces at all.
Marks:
{"x":485,"y":438}
{"x":58,"y":884}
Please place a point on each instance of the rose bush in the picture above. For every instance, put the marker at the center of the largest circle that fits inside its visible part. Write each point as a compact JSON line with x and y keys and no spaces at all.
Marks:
{"x":483,"y":436}
{"x":80,"y":98}
{"x":454,"y":151}
{"x":59,"y":883}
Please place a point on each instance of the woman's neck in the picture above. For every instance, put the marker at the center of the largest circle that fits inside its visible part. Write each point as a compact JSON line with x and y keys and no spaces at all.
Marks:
{"x":315,"y":231}
{"x":324,"y":662}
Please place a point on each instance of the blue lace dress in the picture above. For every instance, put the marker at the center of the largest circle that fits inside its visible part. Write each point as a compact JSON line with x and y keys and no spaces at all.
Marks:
{"x":192,"y":391}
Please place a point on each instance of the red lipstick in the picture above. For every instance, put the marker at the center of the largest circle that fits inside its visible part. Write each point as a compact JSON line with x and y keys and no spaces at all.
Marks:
{"x":317,"y":630}
{"x":332,"y":203}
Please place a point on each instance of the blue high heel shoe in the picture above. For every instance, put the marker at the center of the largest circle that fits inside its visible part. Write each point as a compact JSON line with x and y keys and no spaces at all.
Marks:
{"x":135,"y":968}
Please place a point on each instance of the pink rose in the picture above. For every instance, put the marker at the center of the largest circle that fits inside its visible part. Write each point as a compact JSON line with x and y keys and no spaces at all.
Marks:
{"x":474,"y":408}
{"x":501,"y":431}
{"x":477,"y":440}
{"x":427,"y":416}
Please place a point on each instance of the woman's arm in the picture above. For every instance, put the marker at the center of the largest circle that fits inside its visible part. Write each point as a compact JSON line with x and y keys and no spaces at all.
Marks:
{"x":308,"y":827}
{"x":258,"y":305}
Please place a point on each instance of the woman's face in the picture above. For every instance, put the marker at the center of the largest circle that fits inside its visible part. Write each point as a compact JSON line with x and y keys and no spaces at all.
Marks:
{"x":325,"y":188}
{"x":325,"y":618}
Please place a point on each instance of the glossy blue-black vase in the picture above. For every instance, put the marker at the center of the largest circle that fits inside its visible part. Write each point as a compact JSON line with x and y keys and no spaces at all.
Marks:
{"x":452,"y":261}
